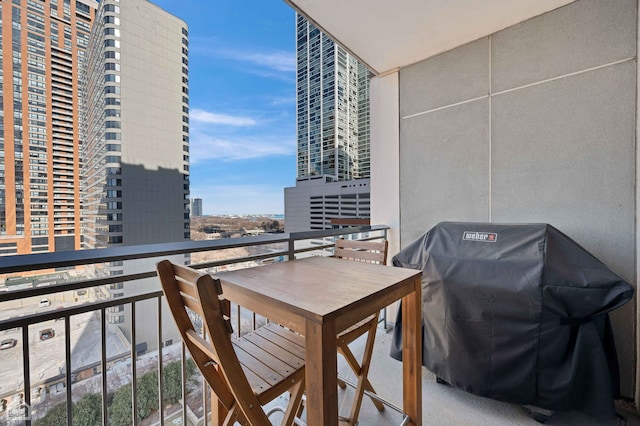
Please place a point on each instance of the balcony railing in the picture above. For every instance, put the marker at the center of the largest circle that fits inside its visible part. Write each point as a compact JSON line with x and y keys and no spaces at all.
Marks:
{"x":85,"y":330}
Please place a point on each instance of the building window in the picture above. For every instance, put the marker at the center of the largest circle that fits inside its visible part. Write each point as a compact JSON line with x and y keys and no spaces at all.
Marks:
{"x":112,"y":8}
{"x":111,"y":43}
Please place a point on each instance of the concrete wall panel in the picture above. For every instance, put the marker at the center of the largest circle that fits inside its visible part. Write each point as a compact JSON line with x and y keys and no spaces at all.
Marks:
{"x":579,"y":36}
{"x":452,"y":77}
{"x":563,"y":153}
{"x":444,"y":168}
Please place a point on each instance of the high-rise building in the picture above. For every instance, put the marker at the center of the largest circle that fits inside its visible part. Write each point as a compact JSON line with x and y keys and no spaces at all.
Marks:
{"x":332,"y":108}
{"x":135,"y":150}
{"x":41,"y":46}
{"x":196,"y":207}
{"x":333,"y":160}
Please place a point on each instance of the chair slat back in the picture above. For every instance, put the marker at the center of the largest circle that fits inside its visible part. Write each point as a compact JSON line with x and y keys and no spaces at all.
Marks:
{"x":215,"y":357}
{"x":362,"y":251}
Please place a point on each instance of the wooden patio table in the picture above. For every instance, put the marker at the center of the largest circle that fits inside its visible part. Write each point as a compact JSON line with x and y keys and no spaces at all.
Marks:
{"x":321,"y":296}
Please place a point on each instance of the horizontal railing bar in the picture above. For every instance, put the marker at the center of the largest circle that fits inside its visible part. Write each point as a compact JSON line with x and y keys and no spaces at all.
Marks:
{"x":307,"y":235}
{"x":314,"y":248}
{"x":27,"y":320}
{"x":223,"y":262}
{"x":75,"y":285}
{"x":97,"y":282}
{"x":31,"y":262}
{"x":239,"y":242}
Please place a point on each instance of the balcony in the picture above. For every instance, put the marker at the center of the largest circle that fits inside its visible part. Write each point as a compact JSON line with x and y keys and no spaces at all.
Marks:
{"x":94,"y":319}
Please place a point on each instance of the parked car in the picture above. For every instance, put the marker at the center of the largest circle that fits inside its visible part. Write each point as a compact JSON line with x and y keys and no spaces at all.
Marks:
{"x":47,"y":333}
{"x":44,"y":303}
{"x":8,"y":344}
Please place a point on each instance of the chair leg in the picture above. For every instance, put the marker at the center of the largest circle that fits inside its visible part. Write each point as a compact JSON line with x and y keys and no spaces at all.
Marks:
{"x":353,"y":364}
{"x":295,"y":402}
{"x":234,"y":415}
{"x":361,"y":372}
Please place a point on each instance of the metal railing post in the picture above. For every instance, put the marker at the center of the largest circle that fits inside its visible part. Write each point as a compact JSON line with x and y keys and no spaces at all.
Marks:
{"x":160,"y":366}
{"x":103,"y":363}
{"x":67,"y":358}
{"x":134,"y":367}
{"x":27,"y":379}
{"x":291,"y":249}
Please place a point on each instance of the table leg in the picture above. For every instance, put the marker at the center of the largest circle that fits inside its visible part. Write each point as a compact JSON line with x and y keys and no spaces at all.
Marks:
{"x":412,"y":353}
{"x":321,"y":374}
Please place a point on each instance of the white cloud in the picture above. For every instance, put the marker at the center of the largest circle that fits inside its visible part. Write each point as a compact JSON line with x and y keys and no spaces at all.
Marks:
{"x":203,"y":147}
{"x":282,"y":100}
{"x":274,"y":60}
{"x":278,"y":61}
{"x":242,"y":138}
{"x":206,"y":117}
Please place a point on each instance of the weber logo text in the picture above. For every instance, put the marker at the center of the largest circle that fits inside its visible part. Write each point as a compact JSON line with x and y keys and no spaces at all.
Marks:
{"x":486,"y":237}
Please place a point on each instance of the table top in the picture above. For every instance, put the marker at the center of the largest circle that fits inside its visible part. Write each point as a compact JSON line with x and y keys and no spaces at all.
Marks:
{"x":319,"y":289}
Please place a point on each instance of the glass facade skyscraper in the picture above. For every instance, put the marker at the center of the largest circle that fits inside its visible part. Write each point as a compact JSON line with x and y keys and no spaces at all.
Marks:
{"x":333,"y":136}
{"x":332,"y":108}
{"x":41,"y":46}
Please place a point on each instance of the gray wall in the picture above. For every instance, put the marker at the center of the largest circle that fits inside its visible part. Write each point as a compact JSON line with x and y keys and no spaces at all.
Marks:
{"x":535,"y":123}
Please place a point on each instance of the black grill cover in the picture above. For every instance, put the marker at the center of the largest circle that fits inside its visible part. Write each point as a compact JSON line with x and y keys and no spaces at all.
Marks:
{"x":517,"y":313}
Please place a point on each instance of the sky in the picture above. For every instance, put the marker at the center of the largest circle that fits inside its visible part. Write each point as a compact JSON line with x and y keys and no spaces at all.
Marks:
{"x":242,"y":75}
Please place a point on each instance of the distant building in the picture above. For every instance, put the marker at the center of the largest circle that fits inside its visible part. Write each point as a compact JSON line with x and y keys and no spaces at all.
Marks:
{"x":196,"y":207}
{"x":316,"y":204}
{"x":333,"y":128}
{"x":135,"y":149}
{"x":41,"y":46}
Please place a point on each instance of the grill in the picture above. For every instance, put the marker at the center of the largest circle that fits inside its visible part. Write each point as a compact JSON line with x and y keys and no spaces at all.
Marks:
{"x":517,"y":313}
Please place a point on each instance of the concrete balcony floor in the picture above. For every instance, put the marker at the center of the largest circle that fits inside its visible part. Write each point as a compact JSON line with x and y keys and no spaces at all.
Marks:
{"x":444,"y":405}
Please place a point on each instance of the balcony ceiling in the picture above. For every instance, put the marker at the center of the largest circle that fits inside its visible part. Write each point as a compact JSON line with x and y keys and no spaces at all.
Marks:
{"x":388,"y":34}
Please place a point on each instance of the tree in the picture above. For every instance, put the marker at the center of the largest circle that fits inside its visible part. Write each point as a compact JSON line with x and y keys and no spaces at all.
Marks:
{"x":147,"y":394}
{"x":55,"y":417}
{"x":120,"y":408}
{"x":270,"y":225}
{"x":88,"y":410}
{"x":172,"y":378}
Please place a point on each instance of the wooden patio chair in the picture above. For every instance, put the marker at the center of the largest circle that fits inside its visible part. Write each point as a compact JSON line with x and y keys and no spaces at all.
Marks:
{"x":370,"y":252}
{"x":244,"y":373}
